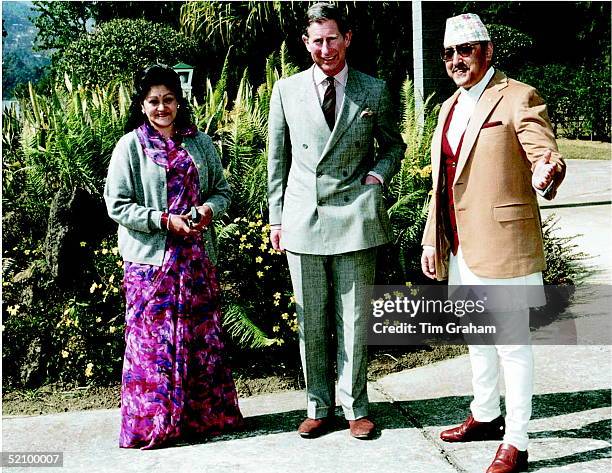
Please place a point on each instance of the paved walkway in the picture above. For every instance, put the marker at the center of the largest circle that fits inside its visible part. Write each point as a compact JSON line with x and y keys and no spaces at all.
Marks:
{"x":570,"y":428}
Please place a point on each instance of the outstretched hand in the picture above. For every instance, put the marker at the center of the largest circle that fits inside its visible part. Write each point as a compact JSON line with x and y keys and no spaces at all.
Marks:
{"x":544,"y":172}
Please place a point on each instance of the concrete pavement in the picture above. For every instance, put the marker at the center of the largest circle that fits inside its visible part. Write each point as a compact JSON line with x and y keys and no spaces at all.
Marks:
{"x":586,"y":182}
{"x":570,"y":427}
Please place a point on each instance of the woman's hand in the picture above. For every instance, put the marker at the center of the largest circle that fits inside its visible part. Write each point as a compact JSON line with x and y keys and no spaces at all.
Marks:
{"x":206,"y":216}
{"x":179,"y":225}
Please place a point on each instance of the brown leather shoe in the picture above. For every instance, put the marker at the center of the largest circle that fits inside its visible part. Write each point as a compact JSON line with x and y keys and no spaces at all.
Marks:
{"x":472,"y":430}
{"x":362,"y":429}
{"x":508,"y":459}
{"x":313,"y":428}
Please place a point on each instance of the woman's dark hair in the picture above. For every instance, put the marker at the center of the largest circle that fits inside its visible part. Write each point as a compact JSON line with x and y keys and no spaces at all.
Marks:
{"x":157,"y":74}
{"x":320,"y":12}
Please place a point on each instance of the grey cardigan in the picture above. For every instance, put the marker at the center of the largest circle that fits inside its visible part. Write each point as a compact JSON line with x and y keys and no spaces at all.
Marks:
{"x":136,"y":196}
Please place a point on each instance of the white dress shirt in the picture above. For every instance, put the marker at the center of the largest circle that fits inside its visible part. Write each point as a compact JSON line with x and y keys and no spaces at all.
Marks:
{"x":466,"y":103}
{"x":320,"y":80}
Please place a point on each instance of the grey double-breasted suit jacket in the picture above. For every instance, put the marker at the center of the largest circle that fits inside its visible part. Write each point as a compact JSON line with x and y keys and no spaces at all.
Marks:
{"x":315,"y":176}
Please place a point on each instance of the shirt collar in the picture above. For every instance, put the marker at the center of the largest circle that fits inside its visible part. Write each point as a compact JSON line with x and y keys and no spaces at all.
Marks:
{"x":341,"y":77}
{"x":476,"y":91}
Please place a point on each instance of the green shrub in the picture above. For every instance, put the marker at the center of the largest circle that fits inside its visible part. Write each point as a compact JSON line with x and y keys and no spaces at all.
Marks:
{"x":116,"y":49}
{"x":578,"y":97}
{"x":259,"y":309}
{"x":54,"y":334}
{"x":68,"y":137}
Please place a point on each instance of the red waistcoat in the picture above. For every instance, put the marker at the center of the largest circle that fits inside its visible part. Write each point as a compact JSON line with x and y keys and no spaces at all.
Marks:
{"x":450,"y":166}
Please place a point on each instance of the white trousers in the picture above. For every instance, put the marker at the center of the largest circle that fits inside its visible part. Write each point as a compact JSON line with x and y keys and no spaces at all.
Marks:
{"x":516,"y":361}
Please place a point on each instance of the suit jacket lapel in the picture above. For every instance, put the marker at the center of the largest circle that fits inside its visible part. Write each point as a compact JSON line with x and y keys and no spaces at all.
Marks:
{"x":354,"y":97}
{"x":311,"y":109}
{"x":487,"y":102}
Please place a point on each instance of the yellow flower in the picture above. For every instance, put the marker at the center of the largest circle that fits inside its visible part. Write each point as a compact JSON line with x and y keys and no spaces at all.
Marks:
{"x":248,"y":246}
{"x":259,"y":223}
{"x":65,"y":354}
{"x":83,"y":245}
{"x":276,"y":303}
{"x":89,"y":370}
{"x":13,"y":309}
{"x":93,"y":287}
{"x":243,"y":238}
{"x":277,"y":295}
{"x":263,"y":247}
{"x":285,"y":315}
{"x":292,"y":299}
{"x":115,"y":290}
{"x":115,"y":251}
{"x":408,"y":284}
{"x":260,"y":274}
{"x":120,"y":263}
{"x":104,"y":251}
{"x":112,"y":278}
{"x":426,"y":171}
{"x":251,"y":224}
{"x":259,"y":259}
{"x":26,"y":252}
{"x":276,"y":328}
{"x":98,"y":319}
{"x":112,"y":329}
{"x":267,"y":267}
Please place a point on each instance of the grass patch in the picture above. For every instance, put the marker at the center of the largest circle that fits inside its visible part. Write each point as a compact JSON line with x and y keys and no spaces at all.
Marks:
{"x":584,"y":149}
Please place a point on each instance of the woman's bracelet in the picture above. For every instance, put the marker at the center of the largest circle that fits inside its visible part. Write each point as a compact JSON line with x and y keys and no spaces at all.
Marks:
{"x":165,"y":221}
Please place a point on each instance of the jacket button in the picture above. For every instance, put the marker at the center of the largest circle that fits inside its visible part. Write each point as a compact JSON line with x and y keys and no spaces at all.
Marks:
{"x":305,"y":146}
{"x":346,"y":199}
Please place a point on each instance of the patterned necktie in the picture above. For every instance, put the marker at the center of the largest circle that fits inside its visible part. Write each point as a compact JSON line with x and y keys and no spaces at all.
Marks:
{"x":329,"y":103}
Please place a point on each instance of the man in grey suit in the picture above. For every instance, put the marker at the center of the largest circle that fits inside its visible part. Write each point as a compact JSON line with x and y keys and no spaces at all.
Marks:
{"x":326,"y":210}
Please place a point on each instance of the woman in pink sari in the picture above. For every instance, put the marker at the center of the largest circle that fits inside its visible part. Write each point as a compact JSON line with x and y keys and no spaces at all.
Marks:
{"x":164,"y":186}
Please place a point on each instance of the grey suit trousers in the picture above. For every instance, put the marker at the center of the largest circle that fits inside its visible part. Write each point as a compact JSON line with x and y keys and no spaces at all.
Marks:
{"x":337,"y":286}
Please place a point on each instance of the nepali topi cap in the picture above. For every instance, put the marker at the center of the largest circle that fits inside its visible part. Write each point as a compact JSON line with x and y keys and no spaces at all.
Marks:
{"x":465,"y":28}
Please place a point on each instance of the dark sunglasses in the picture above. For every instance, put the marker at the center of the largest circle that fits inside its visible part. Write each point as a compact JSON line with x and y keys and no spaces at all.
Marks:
{"x":463,"y":50}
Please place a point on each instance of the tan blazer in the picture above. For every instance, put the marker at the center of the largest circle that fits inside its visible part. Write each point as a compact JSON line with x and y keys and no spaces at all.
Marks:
{"x":498,"y":218}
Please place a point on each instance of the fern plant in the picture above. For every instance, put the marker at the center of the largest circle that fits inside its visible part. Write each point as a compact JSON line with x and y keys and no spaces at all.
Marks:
{"x":245,"y":136}
{"x":409,"y":188}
